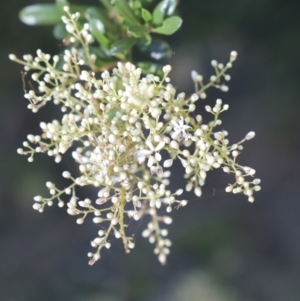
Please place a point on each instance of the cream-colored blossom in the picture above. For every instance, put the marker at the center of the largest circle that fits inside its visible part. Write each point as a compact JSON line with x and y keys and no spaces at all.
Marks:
{"x":111,"y":123}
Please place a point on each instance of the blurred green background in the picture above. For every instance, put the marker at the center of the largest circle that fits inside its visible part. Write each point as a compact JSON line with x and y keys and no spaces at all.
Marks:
{"x":224,"y":248}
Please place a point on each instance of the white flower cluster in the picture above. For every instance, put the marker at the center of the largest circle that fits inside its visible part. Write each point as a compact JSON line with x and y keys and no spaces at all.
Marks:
{"x":130,"y":128}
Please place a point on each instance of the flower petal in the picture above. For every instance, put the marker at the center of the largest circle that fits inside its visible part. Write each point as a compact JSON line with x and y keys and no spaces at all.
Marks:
{"x":175,"y":134}
{"x":150,"y":161}
{"x":144,"y":152}
{"x":184,"y":134}
{"x":185,"y":127}
{"x":150,"y":145}
{"x":141,"y":159}
{"x":175,"y":124}
{"x":157,"y":156}
{"x":159,"y":146}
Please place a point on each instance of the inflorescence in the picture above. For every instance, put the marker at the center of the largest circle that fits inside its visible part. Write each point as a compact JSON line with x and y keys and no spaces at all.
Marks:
{"x":128,"y":130}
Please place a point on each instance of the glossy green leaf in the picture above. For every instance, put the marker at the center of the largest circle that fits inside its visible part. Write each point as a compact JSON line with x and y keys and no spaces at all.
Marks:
{"x":95,"y":13}
{"x":101,"y":53}
{"x":98,"y":32}
{"x":103,"y":58}
{"x":145,"y":40}
{"x":146,"y":15}
{"x":101,"y":14}
{"x":135,"y":4}
{"x":137,"y":30}
{"x":40,"y":14}
{"x":163,"y":9}
{"x":59,"y":31}
{"x":61,"y":3}
{"x":122,"y":45}
{"x":169,"y":26}
{"x":158,"y":49}
{"x":151,"y":68}
{"x":123,"y":9}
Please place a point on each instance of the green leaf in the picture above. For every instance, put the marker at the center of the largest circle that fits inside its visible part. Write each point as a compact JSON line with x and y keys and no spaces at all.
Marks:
{"x":104,"y":58}
{"x":101,"y":14}
{"x":137,"y":30}
{"x":122,"y":45}
{"x":123,"y":9}
{"x":98,"y":32}
{"x":59,"y":31}
{"x":135,"y":4}
{"x":106,"y":4}
{"x":146,"y":15}
{"x":78,"y":8}
{"x":163,"y":9}
{"x":145,"y":40}
{"x":61,"y":3}
{"x":95,"y":13}
{"x":101,"y":53}
{"x":146,"y":2}
{"x":40,"y":14}
{"x":158,"y":49}
{"x":151,"y":68}
{"x":169,"y":26}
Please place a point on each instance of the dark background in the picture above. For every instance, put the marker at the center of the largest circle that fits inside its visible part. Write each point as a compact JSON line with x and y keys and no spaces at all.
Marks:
{"x":224,"y":248}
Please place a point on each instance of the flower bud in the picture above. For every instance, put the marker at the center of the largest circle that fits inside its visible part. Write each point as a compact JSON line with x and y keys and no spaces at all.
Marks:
{"x":168,"y":163}
{"x":250,"y":135}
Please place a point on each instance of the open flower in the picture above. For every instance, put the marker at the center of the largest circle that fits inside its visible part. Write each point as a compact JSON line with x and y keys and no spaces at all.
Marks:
{"x":152,"y":153}
{"x":180,"y":127}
